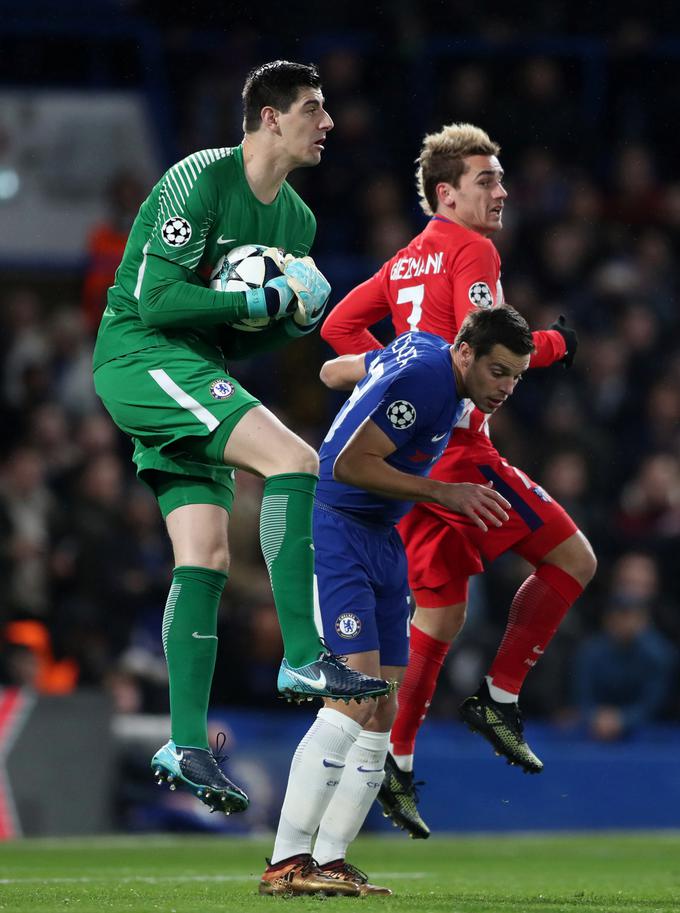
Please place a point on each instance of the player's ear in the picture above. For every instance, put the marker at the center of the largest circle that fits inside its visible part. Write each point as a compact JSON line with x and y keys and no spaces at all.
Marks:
{"x":446,"y":194}
{"x":270,"y":118}
{"x":467,"y":354}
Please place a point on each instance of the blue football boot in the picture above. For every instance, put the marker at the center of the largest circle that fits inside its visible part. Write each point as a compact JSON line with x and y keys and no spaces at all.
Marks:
{"x":329,"y":676}
{"x":197,"y":770}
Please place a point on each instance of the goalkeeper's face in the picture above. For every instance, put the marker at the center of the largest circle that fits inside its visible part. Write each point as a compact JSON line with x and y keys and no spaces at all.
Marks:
{"x":303,"y":128}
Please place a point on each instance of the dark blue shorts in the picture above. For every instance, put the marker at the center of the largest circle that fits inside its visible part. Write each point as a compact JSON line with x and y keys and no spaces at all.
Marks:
{"x":362,"y":598}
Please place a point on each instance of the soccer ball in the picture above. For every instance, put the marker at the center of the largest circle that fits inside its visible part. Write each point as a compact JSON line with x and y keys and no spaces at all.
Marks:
{"x":241,"y":269}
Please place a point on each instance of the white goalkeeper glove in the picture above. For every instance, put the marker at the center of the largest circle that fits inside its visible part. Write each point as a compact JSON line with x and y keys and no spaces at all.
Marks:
{"x":310,"y":286}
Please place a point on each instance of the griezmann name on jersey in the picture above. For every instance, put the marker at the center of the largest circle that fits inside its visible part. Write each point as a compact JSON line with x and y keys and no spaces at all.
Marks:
{"x":410,"y":393}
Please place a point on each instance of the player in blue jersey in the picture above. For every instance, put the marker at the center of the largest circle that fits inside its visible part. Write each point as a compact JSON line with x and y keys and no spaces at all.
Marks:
{"x":375,"y":462}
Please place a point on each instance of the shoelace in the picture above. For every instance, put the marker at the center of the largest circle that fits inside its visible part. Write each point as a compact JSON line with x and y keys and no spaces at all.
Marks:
{"x":310,"y":866}
{"x":353,"y":871}
{"x":220,"y":741}
{"x":336,"y":659}
{"x":307,"y":868}
{"x":340,"y":662}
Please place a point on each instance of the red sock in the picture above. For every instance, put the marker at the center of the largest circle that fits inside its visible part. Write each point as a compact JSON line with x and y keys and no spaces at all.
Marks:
{"x":426,"y":657}
{"x":539,"y":606}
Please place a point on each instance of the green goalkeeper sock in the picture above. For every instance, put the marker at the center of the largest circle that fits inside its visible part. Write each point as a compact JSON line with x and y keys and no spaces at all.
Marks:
{"x":286,"y":540}
{"x":190,"y":644}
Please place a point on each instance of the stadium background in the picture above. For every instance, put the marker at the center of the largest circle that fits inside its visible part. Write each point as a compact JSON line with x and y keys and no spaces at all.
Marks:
{"x":94,"y":106}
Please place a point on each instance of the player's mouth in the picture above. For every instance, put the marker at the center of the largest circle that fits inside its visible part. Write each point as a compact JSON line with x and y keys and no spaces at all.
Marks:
{"x":319,"y":144}
{"x":495,"y":403}
{"x":497,"y":211}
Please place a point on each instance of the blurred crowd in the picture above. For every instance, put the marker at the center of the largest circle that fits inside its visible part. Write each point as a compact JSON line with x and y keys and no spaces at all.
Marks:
{"x":592,"y":232}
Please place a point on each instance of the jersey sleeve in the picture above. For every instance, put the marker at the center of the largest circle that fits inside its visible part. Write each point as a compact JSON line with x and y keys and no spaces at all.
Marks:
{"x":346,"y":327}
{"x":549,"y":348}
{"x":170,"y":293}
{"x":476,"y":271}
{"x":173,"y":297}
{"x":370,"y":357}
{"x":408,"y":405}
{"x":187,"y":207}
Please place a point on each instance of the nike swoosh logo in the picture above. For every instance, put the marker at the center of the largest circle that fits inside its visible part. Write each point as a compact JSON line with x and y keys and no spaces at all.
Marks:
{"x":204,"y":636}
{"x":331,"y":764}
{"x":318,"y":683}
{"x":177,"y":755}
{"x":371,"y":770}
{"x":439,"y":437}
{"x":222,"y":240}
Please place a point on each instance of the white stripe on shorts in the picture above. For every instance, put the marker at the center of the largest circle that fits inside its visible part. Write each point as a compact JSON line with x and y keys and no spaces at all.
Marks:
{"x":165,"y":382}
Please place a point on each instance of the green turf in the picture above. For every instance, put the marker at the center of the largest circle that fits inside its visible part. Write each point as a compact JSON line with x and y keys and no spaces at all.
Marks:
{"x":605,"y":873}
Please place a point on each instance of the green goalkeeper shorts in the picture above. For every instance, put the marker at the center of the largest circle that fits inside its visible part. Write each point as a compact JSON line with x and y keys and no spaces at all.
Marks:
{"x":179,"y":408}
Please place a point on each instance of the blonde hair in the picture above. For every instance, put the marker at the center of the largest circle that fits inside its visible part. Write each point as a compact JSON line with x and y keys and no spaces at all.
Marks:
{"x":442,"y":159}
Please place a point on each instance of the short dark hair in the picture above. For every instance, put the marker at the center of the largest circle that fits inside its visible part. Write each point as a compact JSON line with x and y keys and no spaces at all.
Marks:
{"x":276,"y":84}
{"x":485,"y":328}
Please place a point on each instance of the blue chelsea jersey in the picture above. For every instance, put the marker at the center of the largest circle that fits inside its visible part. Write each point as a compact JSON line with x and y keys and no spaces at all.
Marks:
{"x":410,"y":393}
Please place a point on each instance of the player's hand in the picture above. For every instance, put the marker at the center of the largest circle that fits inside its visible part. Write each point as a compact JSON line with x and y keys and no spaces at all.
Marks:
{"x":275,"y":299}
{"x":305,"y":322}
{"x":310,"y":286}
{"x":570,"y":339}
{"x":480,"y":503}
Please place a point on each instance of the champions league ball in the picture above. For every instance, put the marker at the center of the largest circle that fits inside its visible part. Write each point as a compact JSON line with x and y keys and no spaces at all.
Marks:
{"x":241,"y":269}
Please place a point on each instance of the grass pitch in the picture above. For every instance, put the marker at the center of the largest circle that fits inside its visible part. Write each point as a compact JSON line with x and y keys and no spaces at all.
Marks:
{"x":604,"y":873}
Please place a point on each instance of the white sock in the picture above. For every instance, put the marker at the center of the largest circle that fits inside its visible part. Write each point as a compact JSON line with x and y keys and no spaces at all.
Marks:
{"x":499,"y":694}
{"x":361,"y":779}
{"x":403,"y":761}
{"x":315,"y":771}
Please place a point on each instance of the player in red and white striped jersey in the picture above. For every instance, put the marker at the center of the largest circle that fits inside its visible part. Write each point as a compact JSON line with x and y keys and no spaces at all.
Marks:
{"x":448,"y":269}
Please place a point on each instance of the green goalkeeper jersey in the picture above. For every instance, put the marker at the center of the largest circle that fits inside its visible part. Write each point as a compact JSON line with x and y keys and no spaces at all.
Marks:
{"x":200,"y":209}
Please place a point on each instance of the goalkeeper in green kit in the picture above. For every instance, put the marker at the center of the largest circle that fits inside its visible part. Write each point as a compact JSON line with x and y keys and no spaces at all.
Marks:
{"x":159,"y":368}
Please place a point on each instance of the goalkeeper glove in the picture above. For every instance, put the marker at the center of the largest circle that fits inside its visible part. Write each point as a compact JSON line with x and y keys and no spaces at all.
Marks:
{"x":570,"y":339}
{"x":310,"y":286}
{"x":298,"y":324}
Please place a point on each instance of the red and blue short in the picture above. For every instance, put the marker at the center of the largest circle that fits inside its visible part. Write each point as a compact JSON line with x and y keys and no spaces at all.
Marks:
{"x":444,"y":549}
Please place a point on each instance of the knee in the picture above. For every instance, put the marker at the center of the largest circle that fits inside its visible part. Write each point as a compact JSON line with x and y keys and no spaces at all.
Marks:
{"x":584,"y":564}
{"x":300,"y":458}
{"x":366,"y":712}
{"x":456,"y":621}
{"x":383,"y":714}
{"x":219,"y":559}
{"x":441,"y":623}
{"x":214,"y":557}
{"x":579,"y":561}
